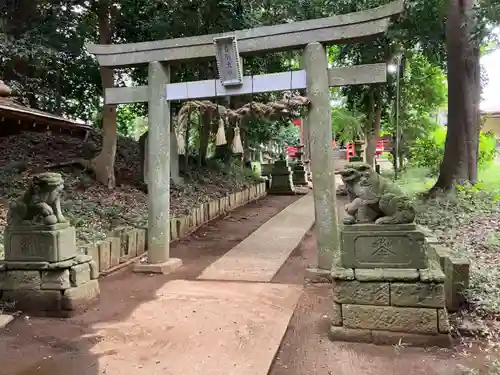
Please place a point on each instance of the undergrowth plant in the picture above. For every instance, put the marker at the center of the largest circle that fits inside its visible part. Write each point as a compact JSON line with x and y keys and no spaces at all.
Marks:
{"x":467,"y":221}
{"x":428,"y":152}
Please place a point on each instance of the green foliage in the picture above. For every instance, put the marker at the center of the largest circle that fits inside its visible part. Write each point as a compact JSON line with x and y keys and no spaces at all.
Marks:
{"x":125,"y":120}
{"x":428,"y":152}
{"x":346,"y":126}
{"x":487,"y":149}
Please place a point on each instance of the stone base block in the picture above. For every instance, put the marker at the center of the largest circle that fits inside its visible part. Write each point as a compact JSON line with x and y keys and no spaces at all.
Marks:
{"x":281,"y":184}
{"x":317,"y":275}
{"x":388,"y":338}
{"x":384,"y":305}
{"x":164,"y":268}
{"x":60,"y":289}
{"x":299,"y":176}
{"x":383,"y":246}
{"x":81,"y":297}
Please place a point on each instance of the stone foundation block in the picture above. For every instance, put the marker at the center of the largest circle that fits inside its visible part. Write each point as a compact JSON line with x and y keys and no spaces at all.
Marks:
{"x":388,"y":338}
{"x":433,"y":274}
{"x":355,"y":292}
{"x":35,"y":302}
{"x":389,"y":318}
{"x":56,"y":279}
{"x":350,"y":334}
{"x":315,"y":275}
{"x":336,"y":314}
{"x":339,"y":273}
{"x":387,"y":274}
{"x":17,"y":279}
{"x":80,"y":297}
{"x":410,"y":339}
{"x":443,"y":321}
{"x":417,"y":295}
{"x":80,"y":274}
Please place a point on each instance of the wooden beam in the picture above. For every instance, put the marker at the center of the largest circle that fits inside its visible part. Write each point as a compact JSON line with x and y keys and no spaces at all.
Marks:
{"x":294,"y":80}
{"x":333,"y":30}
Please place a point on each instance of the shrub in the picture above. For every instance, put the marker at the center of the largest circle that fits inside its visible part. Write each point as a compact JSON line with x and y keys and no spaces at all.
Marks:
{"x":428,"y":152}
{"x":487,"y":149}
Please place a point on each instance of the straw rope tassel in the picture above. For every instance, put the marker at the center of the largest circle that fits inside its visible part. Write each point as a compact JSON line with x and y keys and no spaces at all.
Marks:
{"x":237,"y":145}
{"x":181,"y":147}
{"x":221,"y":134}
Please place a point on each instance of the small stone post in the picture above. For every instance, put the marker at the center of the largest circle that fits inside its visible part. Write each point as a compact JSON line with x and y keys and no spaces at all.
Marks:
{"x":320,"y":138}
{"x":158,"y":152}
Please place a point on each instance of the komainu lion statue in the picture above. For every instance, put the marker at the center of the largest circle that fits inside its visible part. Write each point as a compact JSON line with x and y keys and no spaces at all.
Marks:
{"x":372,"y":198}
{"x":41,"y":203}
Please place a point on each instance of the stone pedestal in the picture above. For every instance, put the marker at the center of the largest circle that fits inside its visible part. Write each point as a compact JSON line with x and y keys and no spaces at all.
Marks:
{"x":385,"y":290}
{"x":382,"y":246}
{"x":53,"y":243}
{"x":281,"y":179}
{"x":299,"y":171}
{"x":59,"y":289}
{"x":42,"y":274}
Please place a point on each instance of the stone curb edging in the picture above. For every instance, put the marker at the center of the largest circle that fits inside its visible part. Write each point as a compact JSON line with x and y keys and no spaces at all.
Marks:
{"x":125,"y":245}
{"x":456,"y":269}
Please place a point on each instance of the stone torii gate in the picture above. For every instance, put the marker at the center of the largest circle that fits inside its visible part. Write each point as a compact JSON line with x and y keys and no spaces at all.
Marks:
{"x":316,"y":77}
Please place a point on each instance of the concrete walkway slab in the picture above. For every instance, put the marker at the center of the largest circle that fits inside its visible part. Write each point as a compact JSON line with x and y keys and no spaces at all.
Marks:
{"x":199,"y":328}
{"x":261,"y":255}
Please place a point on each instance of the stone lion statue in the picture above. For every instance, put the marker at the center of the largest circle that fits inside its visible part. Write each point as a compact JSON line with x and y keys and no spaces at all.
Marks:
{"x":40,"y":204}
{"x":372,"y":198}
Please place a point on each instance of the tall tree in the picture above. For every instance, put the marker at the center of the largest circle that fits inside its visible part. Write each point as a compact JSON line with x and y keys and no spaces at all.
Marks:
{"x":103,"y":164}
{"x":460,"y":158}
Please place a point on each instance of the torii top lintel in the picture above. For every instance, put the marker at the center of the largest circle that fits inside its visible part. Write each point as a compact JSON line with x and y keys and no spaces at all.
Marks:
{"x":346,"y":28}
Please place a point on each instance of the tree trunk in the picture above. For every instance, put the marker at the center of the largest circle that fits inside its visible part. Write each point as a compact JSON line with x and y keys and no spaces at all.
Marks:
{"x":103,"y":164}
{"x":459,"y":163}
{"x":372,"y":129}
{"x":206,"y":125}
